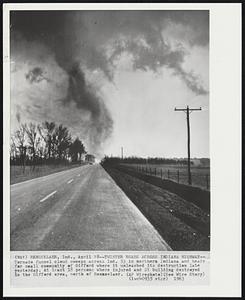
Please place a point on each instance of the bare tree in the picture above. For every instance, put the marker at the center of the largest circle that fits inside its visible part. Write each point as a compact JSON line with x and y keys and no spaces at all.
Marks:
{"x":47,"y":131}
{"x":33,"y":139}
{"x":76,"y":150}
{"x":13,"y":148}
{"x":20,"y":141}
{"x":35,"y":143}
{"x":62,"y":141}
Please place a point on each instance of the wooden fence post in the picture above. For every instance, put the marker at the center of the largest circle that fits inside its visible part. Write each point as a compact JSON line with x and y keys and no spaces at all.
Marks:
{"x":168,"y":174}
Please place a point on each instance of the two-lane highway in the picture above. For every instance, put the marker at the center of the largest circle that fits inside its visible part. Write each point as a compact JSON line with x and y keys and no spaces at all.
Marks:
{"x":78,"y":209}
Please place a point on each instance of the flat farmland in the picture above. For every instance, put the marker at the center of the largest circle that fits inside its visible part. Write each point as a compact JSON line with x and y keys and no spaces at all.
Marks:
{"x":178,"y":173}
{"x":180,"y":214}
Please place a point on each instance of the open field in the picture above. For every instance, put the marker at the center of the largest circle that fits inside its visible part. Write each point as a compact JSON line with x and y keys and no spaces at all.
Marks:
{"x":200,"y":175}
{"x":19,"y":174}
{"x":181,"y":223}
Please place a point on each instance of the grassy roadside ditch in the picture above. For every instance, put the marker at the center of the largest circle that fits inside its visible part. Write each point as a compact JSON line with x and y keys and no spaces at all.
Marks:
{"x":18,"y":174}
{"x":181,"y":223}
{"x":192,"y":194}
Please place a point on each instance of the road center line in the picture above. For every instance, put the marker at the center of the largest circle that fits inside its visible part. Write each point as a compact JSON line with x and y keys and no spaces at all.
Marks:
{"x":48,"y":196}
{"x":68,"y":182}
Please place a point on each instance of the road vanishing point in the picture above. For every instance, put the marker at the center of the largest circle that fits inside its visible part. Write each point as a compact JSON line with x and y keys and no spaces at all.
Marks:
{"x":78,"y":209}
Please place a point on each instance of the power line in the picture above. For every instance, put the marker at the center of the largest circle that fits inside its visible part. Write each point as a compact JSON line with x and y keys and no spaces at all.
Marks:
{"x":188,"y":110}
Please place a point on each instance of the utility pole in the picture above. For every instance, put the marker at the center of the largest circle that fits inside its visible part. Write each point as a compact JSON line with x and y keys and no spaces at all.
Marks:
{"x":188,"y":110}
{"x":122,"y":152}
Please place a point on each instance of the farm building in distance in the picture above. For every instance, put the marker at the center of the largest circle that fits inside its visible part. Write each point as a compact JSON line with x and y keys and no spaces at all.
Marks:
{"x":203,"y":162}
{"x":90,"y":158}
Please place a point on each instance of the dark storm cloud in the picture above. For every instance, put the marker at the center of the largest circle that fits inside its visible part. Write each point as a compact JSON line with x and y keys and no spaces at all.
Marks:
{"x":196,"y":20}
{"x":84,"y":35}
{"x":146,"y":58}
{"x":50,"y":28}
{"x":85,"y":98}
{"x":94,"y":40}
{"x":80,"y":93}
{"x":36,"y":75}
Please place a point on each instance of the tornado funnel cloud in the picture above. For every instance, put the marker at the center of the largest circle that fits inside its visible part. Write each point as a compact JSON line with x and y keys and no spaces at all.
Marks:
{"x":86,"y":99}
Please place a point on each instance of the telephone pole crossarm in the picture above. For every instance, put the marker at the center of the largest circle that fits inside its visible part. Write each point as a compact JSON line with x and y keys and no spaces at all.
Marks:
{"x":192,"y":109}
{"x":185,"y":109}
{"x":180,"y":109}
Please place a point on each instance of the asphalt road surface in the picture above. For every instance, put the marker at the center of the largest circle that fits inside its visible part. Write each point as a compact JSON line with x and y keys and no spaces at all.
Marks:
{"x":78,"y":209}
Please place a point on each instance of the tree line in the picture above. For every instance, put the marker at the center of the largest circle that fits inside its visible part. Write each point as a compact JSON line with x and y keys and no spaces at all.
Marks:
{"x":141,"y":160}
{"x":49,"y":143}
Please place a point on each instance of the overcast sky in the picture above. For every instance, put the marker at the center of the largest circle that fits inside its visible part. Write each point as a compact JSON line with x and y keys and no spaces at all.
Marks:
{"x":114,"y":77}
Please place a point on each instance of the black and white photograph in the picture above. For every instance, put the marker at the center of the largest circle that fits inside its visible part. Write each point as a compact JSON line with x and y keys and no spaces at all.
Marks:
{"x":109,"y":145}
{"x":122,"y":149}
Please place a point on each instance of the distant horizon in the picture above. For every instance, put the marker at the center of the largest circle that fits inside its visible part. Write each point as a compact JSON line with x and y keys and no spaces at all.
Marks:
{"x":160,"y":157}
